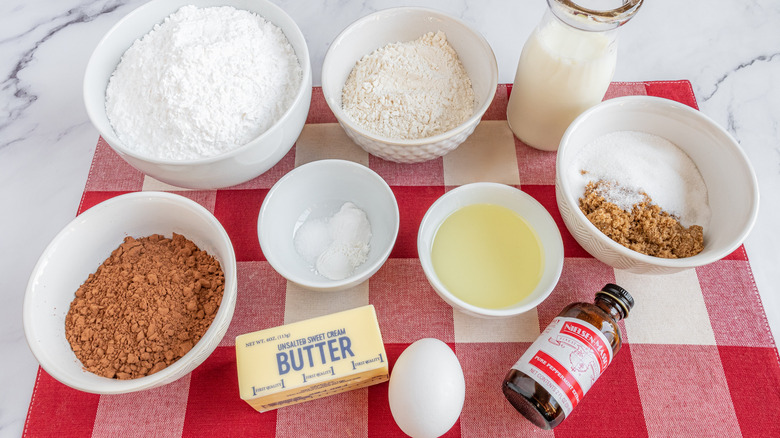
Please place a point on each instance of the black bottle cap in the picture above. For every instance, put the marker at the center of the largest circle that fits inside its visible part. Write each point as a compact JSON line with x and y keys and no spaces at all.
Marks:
{"x":620,"y":295}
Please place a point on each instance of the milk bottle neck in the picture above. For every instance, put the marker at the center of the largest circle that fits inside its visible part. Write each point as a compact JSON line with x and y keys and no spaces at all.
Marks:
{"x":594,"y":15}
{"x":563,"y":41}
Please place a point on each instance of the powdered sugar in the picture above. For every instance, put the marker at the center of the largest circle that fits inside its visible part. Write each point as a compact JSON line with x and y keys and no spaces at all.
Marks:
{"x":641,"y":162}
{"x":409,"y":90}
{"x":203,"y":82}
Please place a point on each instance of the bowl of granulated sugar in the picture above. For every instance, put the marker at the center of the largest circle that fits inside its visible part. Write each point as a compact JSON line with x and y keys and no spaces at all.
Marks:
{"x":652,"y":186}
{"x":204,"y":94}
{"x":409,"y":84}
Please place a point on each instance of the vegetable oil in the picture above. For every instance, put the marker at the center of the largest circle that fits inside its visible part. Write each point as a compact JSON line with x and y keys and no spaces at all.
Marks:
{"x":488,"y":256}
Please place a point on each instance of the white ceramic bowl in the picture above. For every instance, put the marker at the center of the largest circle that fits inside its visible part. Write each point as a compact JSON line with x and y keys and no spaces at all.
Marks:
{"x":400,"y":25}
{"x":506,"y":196}
{"x":82,"y":246}
{"x":731,"y":184}
{"x":223,"y":170}
{"x":317,"y":190}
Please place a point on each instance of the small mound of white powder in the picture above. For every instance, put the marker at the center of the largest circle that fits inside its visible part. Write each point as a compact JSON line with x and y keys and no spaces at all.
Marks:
{"x":203,"y":82}
{"x":409,"y":90}
{"x":337,"y":245}
{"x":641,"y":162}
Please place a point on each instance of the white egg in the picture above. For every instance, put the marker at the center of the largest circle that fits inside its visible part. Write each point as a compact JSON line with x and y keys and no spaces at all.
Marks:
{"x":427,"y":389}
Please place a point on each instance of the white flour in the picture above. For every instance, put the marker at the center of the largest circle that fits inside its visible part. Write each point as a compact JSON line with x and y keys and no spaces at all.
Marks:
{"x":409,"y":90}
{"x":203,"y":82}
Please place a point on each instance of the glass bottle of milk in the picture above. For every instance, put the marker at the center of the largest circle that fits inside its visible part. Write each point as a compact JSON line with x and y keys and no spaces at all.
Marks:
{"x":565,"y":67}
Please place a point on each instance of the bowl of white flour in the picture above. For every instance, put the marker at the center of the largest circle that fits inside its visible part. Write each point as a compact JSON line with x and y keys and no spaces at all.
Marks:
{"x":200,"y":94}
{"x":409,"y":84}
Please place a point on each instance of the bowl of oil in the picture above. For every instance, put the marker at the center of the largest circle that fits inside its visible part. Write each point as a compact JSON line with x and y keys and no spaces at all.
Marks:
{"x":490,"y":250}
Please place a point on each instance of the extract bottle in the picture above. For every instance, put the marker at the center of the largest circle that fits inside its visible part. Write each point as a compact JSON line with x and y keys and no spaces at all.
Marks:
{"x":556,"y":371}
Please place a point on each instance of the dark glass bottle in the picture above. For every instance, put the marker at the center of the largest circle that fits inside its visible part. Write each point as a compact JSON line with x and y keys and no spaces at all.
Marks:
{"x":557,"y":370}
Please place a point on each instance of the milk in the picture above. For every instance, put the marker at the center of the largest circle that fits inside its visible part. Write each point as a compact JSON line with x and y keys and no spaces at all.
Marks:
{"x":562,"y":72}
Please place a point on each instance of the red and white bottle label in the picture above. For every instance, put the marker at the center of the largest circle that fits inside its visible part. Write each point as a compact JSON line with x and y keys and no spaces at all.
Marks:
{"x":566,"y":360}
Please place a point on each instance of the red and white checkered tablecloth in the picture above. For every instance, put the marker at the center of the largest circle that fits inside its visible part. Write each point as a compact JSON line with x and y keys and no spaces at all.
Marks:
{"x":698,"y":357}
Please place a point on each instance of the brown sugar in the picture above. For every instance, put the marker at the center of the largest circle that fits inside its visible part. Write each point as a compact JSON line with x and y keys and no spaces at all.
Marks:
{"x":646,"y":228}
{"x":145,"y":307}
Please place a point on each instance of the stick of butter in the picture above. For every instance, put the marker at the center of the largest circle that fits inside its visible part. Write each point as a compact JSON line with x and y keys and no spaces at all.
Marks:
{"x":310,"y":359}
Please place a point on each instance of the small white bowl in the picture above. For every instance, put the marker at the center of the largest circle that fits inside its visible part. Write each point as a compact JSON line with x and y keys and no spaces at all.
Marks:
{"x":519,"y":202}
{"x":82,"y":246}
{"x":400,"y":25}
{"x":227,"y":169}
{"x":731,"y":184}
{"x":319,"y":189}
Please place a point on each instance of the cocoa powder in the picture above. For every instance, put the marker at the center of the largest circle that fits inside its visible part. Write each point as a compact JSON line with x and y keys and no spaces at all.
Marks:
{"x":145,"y":307}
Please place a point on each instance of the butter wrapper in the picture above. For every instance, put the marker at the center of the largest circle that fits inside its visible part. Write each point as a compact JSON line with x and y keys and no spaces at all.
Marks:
{"x":311,"y":359}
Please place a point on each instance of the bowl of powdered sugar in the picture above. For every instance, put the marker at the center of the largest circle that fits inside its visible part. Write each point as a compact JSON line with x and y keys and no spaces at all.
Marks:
{"x":653,"y":186}
{"x":409,"y":84}
{"x":203,"y":94}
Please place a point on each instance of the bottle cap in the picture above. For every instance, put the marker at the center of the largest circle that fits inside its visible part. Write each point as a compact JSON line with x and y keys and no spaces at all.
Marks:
{"x":623,"y":298}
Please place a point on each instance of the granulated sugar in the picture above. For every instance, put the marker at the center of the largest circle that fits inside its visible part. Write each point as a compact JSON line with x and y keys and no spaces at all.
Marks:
{"x":640,"y":162}
{"x":409,"y":90}
{"x":203,"y":82}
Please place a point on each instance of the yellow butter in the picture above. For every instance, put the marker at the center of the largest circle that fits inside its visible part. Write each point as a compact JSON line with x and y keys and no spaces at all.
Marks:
{"x":310,"y":359}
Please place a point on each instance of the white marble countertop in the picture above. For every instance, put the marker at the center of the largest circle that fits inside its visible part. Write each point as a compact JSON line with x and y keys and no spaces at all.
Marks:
{"x":728,"y":49}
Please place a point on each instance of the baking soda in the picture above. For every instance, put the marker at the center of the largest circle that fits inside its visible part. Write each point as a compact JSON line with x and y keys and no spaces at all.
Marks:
{"x":641,"y":162}
{"x":203,"y":82}
{"x":335,"y":246}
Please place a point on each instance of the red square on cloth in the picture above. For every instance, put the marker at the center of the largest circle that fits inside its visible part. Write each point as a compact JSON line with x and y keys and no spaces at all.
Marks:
{"x":217,"y":379}
{"x":730,"y":295}
{"x":744,"y":368}
{"x":497,"y":108}
{"x":319,"y":111}
{"x":91,"y":199}
{"x":52,"y":410}
{"x":109,"y":172}
{"x":580,"y":280}
{"x":545,"y":194}
{"x":612,"y":407}
{"x":738,"y":254}
{"x":413,"y":203}
{"x":237,"y":211}
{"x":680,"y":91}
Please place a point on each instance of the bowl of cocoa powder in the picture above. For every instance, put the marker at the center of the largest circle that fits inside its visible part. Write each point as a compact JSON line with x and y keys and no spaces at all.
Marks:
{"x":134,"y":293}
{"x":652,"y":186}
